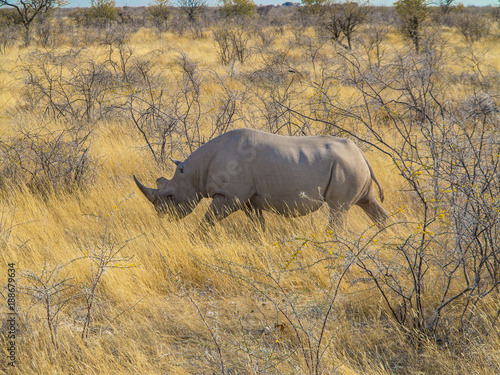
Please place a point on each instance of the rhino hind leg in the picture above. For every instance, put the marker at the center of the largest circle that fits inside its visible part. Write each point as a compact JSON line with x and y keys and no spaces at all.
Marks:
{"x":255,"y":215}
{"x":337,"y":217}
{"x":374,"y":209}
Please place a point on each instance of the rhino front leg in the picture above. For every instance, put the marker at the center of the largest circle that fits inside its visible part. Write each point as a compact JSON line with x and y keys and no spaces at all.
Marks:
{"x":256,"y":216}
{"x":337,"y":219}
{"x":220,"y":208}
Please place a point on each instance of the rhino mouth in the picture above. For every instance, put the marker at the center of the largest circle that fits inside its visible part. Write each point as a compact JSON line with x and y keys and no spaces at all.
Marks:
{"x":165,"y":203}
{"x":167,"y":208}
{"x":164,"y":209}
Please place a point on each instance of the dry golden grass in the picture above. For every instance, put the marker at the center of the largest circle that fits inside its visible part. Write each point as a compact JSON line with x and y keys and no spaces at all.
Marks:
{"x":179,"y":302}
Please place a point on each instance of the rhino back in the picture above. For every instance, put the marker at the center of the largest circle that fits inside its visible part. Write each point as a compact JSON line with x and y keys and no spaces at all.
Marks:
{"x":276,"y":172}
{"x":297,"y":171}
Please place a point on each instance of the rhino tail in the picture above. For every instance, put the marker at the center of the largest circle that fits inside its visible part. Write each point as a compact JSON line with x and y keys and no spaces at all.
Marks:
{"x":381,"y":191}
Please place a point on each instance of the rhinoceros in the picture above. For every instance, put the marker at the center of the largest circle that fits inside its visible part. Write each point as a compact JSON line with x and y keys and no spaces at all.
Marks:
{"x":257,"y":171}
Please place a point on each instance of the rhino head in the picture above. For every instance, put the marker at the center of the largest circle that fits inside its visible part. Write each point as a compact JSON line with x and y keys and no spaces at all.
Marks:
{"x":175,"y":198}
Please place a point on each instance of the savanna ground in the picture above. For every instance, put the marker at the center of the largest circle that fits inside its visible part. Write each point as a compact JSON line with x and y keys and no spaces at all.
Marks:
{"x":103,"y":285}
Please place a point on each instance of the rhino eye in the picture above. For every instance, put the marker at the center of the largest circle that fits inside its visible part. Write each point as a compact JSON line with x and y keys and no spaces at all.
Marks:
{"x":181,"y":169}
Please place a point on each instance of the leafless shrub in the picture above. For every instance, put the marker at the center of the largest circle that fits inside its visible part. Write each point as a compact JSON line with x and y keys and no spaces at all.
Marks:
{"x":313,"y":50}
{"x":120,"y":54}
{"x":77,"y":86}
{"x":179,"y":22}
{"x":54,"y":289}
{"x":222,"y":39}
{"x":150,"y":110}
{"x":47,"y":160}
{"x":266,"y":34}
{"x":231,"y":42}
{"x":159,"y":13}
{"x":239,"y":40}
{"x":103,"y":254}
{"x":63,"y":298}
{"x":167,"y":119}
{"x":330,"y":26}
{"x":269,"y":88}
{"x":8,"y":35}
{"x":187,"y":102}
{"x":300,"y":329}
{"x":448,"y":152}
{"x":62,"y":86}
{"x":472,"y":25}
{"x":212,"y":328}
{"x":197,"y":29}
{"x":375,"y":34}
{"x":299,"y":31}
{"x":170,"y":120}
{"x":223,"y":111}
{"x":116,"y":35}
{"x":341,"y":20}
{"x":49,"y":31}
{"x":224,"y":116}
{"x":480,"y":73}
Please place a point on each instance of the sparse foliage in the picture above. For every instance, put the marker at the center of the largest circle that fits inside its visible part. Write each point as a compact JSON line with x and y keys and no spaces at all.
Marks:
{"x":150,"y":111}
{"x":412,"y":14}
{"x":373,"y":42}
{"x":46,"y":160}
{"x":54,"y":288}
{"x":75,"y":85}
{"x":222,"y":39}
{"x":159,"y":12}
{"x":314,"y":6}
{"x":341,"y":20}
{"x":192,"y":8}
{"x":29,"y":11}
{"x":103,"y":254}
{"x":57,"y":291}
{"x":8,"y":29}
{"x":102,"y":11}
{"x":231,"y":42}
{"x":472,"y":26}
{"x":445,"y":5}
{"x":238,"y":8}
{"x":163,"y":118}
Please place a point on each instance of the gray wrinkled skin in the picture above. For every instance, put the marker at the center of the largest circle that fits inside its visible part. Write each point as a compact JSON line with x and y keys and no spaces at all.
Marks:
{"x":257,"y":171}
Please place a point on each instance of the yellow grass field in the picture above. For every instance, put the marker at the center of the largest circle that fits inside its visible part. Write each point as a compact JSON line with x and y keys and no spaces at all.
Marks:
{"x":105,"y":286}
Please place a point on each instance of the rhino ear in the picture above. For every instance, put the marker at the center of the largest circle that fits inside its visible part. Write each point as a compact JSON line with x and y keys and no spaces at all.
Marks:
{"x":177,"y":162}
{"x":162,"y":183}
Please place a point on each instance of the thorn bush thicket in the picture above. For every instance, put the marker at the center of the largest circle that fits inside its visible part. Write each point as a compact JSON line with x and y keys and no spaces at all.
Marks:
{"x":448,"y":152}
{"x":46,"y":160}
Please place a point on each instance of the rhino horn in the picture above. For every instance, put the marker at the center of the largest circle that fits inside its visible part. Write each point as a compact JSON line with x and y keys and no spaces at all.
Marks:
{"x":148,"y":192}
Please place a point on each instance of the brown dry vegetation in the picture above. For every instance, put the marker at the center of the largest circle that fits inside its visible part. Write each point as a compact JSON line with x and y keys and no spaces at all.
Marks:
{"x":105,"y":286}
